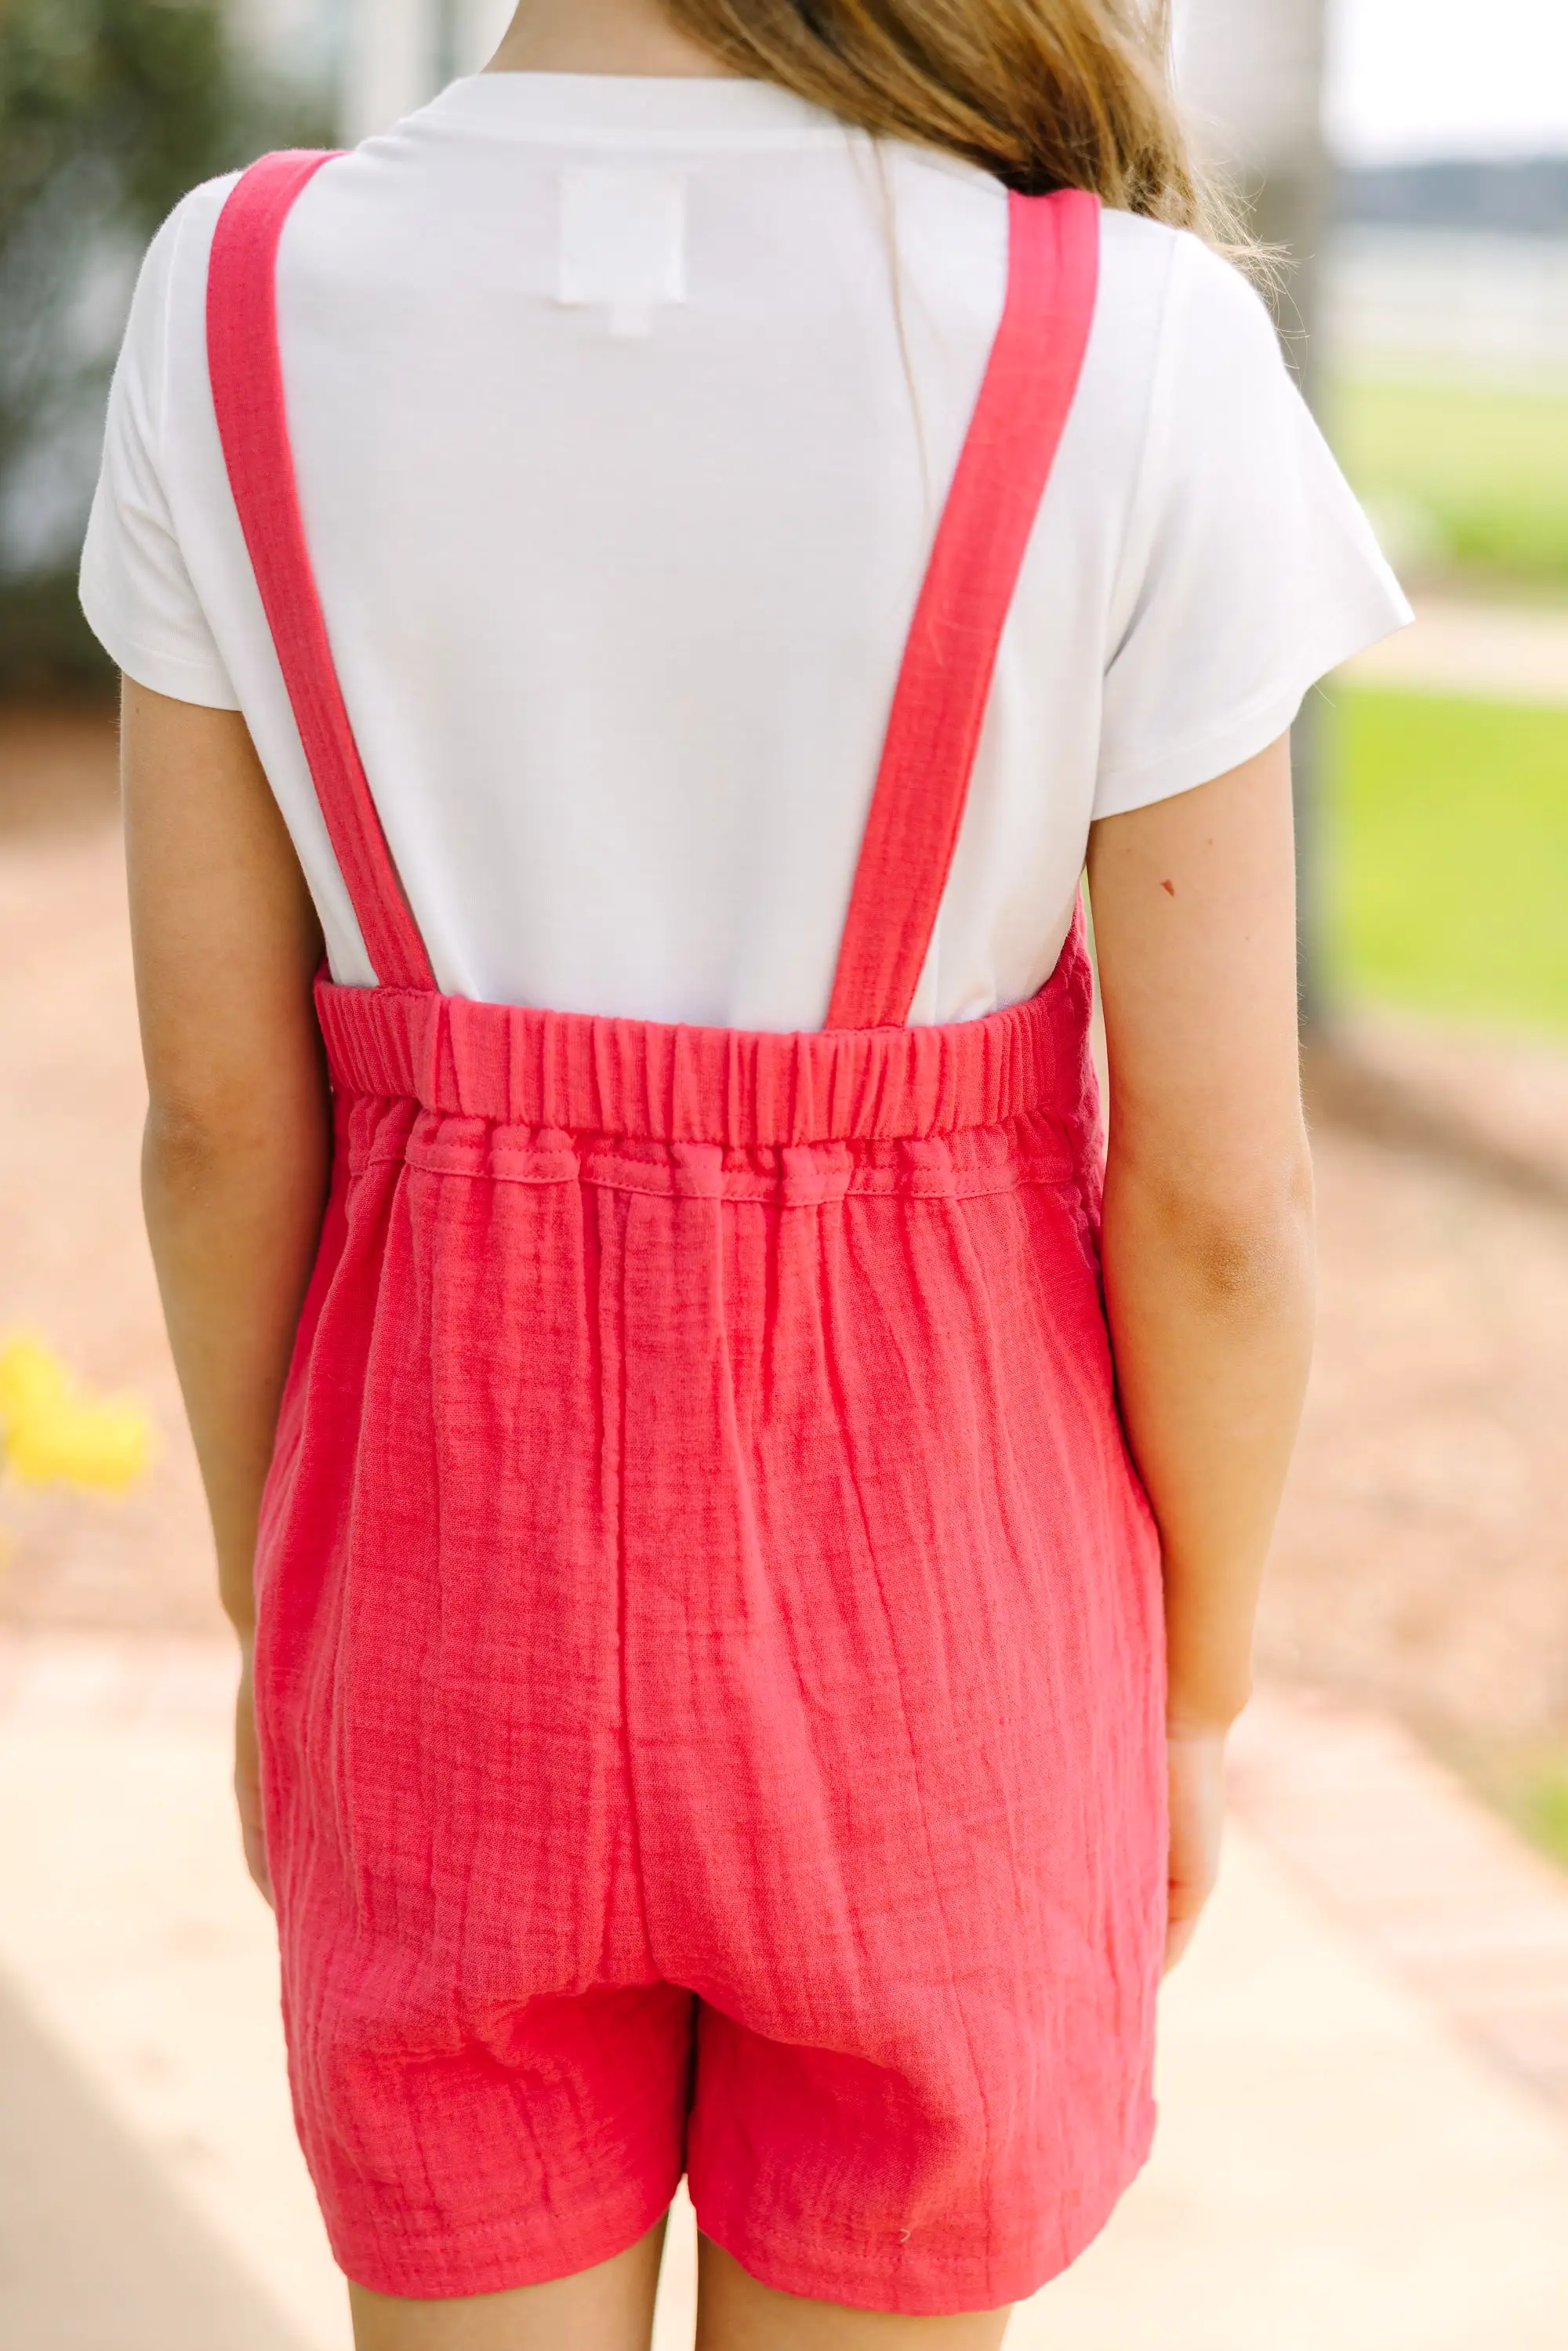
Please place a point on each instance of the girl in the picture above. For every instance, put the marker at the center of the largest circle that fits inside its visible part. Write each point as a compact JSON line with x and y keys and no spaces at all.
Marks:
{"x":661,"y":569}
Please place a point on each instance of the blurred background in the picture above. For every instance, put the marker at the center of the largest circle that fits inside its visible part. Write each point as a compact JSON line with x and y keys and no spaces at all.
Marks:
{"x":1365,"y":2068}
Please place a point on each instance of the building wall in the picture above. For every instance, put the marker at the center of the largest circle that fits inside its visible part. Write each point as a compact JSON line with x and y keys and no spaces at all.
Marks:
{"x":397,"y":53}
{"x":382,"y":57}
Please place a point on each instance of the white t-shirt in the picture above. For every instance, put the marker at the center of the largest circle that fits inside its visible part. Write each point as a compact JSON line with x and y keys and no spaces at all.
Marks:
{"x":621,"y":457}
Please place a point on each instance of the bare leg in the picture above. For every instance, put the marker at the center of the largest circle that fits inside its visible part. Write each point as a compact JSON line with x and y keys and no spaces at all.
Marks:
{"x":608,"y":2308}
{"x":735,"y":2314}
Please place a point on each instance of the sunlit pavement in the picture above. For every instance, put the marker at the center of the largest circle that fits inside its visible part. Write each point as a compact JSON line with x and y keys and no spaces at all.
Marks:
{"x":1510,"y":652}
{"x":1340,"y":2160}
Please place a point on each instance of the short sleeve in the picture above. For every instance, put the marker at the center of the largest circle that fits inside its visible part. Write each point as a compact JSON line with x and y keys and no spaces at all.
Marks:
{"x":136,"y":591}
{"x":1249,"y":570}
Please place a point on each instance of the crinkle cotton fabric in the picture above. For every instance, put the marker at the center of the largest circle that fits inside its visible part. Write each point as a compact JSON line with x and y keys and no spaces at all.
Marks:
{"x":709,"y":1652}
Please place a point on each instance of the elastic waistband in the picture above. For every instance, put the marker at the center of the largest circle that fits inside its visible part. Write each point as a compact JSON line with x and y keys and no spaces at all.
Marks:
{"x":516,"y":1066}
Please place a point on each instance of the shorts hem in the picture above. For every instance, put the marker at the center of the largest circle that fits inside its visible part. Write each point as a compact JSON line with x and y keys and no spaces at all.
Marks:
{"x":456,"y":2265}
{"x":869,"y":2274}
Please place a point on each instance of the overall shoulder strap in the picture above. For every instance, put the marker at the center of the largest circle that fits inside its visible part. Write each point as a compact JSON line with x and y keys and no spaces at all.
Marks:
{"x":246,"y":369}
{"x":939,"y":704}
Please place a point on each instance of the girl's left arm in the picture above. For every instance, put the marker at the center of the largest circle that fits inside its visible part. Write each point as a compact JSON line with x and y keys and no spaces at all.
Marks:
{"x":238,"y":1139}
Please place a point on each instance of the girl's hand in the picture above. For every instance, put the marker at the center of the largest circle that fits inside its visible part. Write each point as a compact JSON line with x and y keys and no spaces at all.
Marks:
{"x":247,"y":1780}
{"x":1195,"y":1761}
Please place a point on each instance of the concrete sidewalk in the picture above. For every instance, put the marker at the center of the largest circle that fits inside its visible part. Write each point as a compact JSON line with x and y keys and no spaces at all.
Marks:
{"x":1496,"y":652}
{"x":1337,"y":2162}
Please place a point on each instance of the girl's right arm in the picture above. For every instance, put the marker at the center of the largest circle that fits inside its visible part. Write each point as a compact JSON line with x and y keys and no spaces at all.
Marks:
{"x":238,"y":1142}
{"x":1207,"y":1232}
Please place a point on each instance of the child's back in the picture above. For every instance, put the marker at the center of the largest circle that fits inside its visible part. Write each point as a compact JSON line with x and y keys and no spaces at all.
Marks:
{"x":697,"y":582}
{"x":617,"y":583}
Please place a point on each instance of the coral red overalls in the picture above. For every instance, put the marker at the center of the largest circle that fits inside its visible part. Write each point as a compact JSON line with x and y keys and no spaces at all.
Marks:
{"x":709,"y":1655}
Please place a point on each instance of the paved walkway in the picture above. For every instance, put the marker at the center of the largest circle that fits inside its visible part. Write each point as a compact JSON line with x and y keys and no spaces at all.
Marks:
{"x":1426,"y":1877}
{"x":1504,"y":653}
{"x":1340,"y":2160}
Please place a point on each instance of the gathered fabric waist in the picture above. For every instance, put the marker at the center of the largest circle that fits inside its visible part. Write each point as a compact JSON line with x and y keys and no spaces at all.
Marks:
{"x":578,"y":1073}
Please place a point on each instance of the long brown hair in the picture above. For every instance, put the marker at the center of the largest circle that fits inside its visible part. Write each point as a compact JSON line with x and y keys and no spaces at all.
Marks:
{"x":1041,"y":93}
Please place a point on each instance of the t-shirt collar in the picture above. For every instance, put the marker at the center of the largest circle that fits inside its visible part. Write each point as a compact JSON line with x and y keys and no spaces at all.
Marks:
{"x":715,"y":109}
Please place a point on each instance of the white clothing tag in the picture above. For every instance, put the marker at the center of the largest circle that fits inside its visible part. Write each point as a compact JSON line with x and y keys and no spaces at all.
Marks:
{"x":623,"y":244}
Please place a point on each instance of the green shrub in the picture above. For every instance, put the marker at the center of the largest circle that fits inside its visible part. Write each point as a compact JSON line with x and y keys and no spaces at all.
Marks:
{"x":109,"y":109}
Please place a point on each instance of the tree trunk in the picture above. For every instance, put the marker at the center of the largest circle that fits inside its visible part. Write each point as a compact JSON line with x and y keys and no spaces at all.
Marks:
{"x":1251,"y":74}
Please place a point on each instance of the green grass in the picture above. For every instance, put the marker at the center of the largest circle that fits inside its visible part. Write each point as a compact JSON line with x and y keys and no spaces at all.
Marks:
{"x":1480,"y":471}
{"x":1447,"y":841}
{"x":1542,"y":1809}
{"x":1529,"y":1786}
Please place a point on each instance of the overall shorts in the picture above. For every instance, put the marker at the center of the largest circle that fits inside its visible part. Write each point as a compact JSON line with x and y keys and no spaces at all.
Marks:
{"x":709,"y":1664}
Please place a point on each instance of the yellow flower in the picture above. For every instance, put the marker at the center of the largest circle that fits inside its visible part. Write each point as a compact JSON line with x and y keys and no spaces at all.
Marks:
{"x":50,"y":1434}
